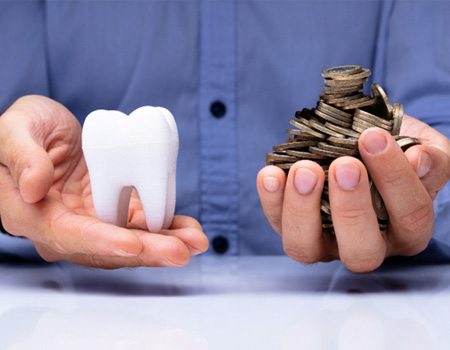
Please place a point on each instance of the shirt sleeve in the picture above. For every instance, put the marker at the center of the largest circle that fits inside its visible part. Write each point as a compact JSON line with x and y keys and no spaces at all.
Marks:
{"x":412,"y":63}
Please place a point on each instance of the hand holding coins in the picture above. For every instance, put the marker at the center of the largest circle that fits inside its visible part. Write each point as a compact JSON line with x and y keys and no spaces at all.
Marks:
{"x":333,"y":127}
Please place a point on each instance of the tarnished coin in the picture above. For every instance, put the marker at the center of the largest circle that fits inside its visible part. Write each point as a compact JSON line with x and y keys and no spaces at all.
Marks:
{"x":323,"y":152}
{"x":351,"y":143}
{"x":284,"y":166}
{"x":335,"y":98}
{"x":341,"y":71}
{"x":341,"y":89}
{"x":333,"y":120}
{"x":294,"y":145}
{"x":332,"y":83}
{"x":333,"y":115}
{"x":358,"y":104}
{"x":279,"y":157}
{"x":342,"y":130}
{"x":323,"y":106}
{"x":372,"y":119}
{"x":320,"y":127}
{"x":367,"y":125}
{"x":304,"y":155}
{"x":325,"y":206}
{"x":300,"y":135}
{"x":308,"y":130}
{"x":378,"y":204}
{"x":343,"y":151}
{"x":380,"y":95}
{"x":364,"y":73}
{"x":397,"y":118}
{"x":407,"y":142}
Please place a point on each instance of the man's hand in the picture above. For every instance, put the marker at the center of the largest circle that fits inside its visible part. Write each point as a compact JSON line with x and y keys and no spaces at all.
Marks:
{"x":45,"y":196}
{"x":407,"y":182}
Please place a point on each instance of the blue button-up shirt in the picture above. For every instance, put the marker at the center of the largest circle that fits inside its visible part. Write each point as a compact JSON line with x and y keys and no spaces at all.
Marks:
{"x":261,"y":59}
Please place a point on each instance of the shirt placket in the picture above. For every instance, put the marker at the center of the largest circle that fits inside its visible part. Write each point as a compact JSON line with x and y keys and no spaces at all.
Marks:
{"x":217,"y":114}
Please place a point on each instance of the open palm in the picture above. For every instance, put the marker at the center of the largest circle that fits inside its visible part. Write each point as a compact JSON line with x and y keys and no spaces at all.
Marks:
{"x":46,"y":197}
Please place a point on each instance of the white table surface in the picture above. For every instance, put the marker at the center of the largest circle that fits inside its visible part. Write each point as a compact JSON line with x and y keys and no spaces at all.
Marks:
{"x":224,"y":303}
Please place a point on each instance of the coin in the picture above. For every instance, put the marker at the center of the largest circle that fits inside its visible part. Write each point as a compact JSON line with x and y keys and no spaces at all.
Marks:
{"x":378,"y":204}
{"x":397,"y":118}
{"x":300,"y":135}
{"x":351,"y":143}
{"x":343,"y":151}
{"x":304,"y":155}
{"x":307,"y":129}
{"x":341,"y":71}
{"x":332,"y":130}
{"x":367,"y":125}
{"x":364,"y":73}
{"x":333,"y":120}
{"x":294,"y":145}
{"x":372,"y":119}
{"x":342,"y":130}
{"x":320,"y":127}
{"x":331,"y":82}
{"x":380,"y":95}
{"x":407,"y":142}
{"x":279,"y":157}
{"x":323,"y":152}
{"x":324,"y":106}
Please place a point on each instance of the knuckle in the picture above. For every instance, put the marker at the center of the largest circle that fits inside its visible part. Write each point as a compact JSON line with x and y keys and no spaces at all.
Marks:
{"x":301,"y":255}
{"x":394,"y":177}
{"x":419,"y":218}
{"x":351,"y":216}
{"x":362,"y":264}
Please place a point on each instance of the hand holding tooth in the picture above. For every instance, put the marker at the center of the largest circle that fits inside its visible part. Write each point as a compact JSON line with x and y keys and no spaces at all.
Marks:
{"x":45,"y":195}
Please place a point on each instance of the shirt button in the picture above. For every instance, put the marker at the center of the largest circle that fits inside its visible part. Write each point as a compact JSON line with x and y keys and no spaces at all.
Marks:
{"x":220,"y":244}
{"x":218,"y":109}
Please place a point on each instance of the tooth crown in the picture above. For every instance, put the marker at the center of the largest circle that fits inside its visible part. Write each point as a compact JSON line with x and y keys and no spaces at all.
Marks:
{"x":140,"y":151}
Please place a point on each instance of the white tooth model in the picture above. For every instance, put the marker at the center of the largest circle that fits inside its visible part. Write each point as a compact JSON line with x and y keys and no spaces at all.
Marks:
{"x":138,"y":150}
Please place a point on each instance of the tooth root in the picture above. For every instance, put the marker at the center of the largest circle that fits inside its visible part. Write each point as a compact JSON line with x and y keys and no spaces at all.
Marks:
{"x":153,"y":199}
{"x":111,"y":203}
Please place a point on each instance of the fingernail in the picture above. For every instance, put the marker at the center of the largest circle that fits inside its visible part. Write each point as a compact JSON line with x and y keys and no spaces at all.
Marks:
{"x":305,"y":180}
{"x":195,"y":252}
{"x":424,"y":164}
{"x":271,"y":184}
{"x":123,"y":253}
{"x":347,"y":175}
{"x":374,"y":141}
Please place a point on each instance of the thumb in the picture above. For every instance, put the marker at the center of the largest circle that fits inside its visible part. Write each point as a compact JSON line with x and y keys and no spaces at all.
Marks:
{"x":28,"y":162}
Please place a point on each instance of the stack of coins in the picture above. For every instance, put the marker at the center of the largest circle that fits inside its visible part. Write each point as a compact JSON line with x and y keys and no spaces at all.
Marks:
{"x":332,"y":129}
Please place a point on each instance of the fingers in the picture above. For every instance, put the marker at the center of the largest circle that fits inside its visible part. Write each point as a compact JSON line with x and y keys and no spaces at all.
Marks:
{"x":406,"y":199}
{"x":431,"y":165}
{"x":301,"y":221}
{"x":270,"y":184}
{"x":28,"y":162}
{"x":158,"y":250}
{"x":361,"y":245}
